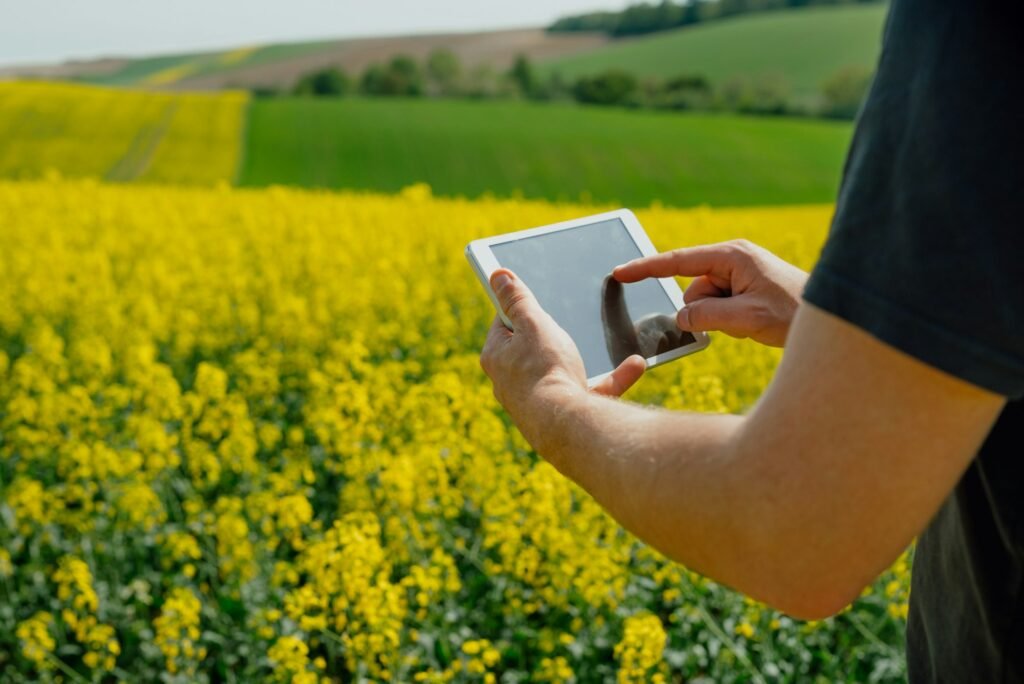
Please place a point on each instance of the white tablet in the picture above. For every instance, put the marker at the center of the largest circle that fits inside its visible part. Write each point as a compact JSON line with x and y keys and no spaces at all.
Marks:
{"x":568,"y":267}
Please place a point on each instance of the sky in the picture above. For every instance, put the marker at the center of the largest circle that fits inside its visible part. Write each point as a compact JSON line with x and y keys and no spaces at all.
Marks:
{"x":48,"y":31}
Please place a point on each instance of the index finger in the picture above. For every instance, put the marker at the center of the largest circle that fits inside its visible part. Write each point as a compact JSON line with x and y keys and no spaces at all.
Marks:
{"x":688,"y":261}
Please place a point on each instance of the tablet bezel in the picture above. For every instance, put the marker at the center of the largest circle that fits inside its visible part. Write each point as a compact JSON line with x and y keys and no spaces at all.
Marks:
{"x":484,"y":263}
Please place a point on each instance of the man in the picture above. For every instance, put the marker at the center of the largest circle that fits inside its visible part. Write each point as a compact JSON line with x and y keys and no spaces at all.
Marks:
{"x":896,"y":411}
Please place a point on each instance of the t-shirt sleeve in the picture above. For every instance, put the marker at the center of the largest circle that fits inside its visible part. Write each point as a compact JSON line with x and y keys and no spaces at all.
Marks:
{"x":926,"y":250}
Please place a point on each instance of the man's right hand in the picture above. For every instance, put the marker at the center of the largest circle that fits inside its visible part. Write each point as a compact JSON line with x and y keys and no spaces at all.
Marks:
{"x":739,"y":288}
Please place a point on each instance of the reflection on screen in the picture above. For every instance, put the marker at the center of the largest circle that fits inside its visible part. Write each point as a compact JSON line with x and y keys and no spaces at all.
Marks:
{"x":570,"y":273}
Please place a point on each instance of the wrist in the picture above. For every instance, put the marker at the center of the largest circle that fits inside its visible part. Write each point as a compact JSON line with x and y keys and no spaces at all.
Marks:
{"x":560,"y":408}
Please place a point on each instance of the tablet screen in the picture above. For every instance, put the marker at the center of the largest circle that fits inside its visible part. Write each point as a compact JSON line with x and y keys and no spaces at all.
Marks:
{"x":569,"y":271}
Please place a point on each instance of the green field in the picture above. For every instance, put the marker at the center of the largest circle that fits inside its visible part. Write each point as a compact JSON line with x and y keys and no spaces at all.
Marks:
{"x":167,"y":69}
{"x":558,"y":152}
{"x":804,"y":45}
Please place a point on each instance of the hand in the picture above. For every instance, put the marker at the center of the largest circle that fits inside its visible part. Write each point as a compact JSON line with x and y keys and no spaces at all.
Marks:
{"x":536,"y":366}
{"x":738,"y":288}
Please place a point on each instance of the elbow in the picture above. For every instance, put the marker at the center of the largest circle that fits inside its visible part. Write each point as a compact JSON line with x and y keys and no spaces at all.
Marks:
{"x":805,"y":582}
{"x":812,"y":590}
{"x":814,"y":603}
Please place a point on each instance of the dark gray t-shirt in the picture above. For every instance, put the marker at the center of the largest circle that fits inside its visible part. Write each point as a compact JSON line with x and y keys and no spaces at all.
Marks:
{"x":926,"y":253}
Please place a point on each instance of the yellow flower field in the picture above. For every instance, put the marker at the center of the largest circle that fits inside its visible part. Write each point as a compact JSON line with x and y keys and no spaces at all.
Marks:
{"x":119,"y":135}
{"x":244,"y":436}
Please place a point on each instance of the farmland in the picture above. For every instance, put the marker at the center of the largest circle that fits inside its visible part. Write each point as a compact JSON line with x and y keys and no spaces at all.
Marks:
{"x":459,"y":148}
{"x":279,"y":65}
{"x":804,"y":46}
{"x":556,"y":152}
{"x":239,"y":441}
{"x":80,"y":131}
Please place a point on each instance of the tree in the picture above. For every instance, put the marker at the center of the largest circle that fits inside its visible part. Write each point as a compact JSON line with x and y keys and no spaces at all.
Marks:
{"x":482,"y":82}
{"x":407,"y":72}
{"x":523,"y":75}
{"x":594,"y":21}
{"x":401,"y":76}
{"x":613,"y":87}
{"x":324,"y":83}
{"x":683,"y":92}
{"x":843,"y":92}
{"x":557,"y":88}
{"x":645,"y":18}
{"x":766,"y":94}
{"x":444,"y":71}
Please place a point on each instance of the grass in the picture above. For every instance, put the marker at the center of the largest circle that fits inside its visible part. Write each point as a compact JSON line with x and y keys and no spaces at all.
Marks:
{"x":557,"y":152}
{"x":805,"y":46}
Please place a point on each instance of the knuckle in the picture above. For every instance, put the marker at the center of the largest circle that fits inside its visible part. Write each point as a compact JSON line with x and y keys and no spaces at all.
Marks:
{"x":741,"y":247}
{"x":760,"y":316}
{"x":696,"y":313}
{"x":678,"y":254}
{"x":514,"y":301}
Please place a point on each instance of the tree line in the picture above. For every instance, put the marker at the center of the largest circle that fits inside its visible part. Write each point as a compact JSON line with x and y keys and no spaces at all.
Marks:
{"x":443,"y":75}
{"x":648,"y":17}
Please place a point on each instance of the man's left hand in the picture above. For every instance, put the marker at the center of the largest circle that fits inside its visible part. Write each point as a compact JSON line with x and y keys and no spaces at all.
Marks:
{"x":536,"y":367}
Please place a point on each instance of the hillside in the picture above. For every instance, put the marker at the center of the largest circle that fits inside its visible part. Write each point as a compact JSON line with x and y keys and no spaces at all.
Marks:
{"x":805,"y":46}
{"x":280,"y":65}
{"x":556,"y":152}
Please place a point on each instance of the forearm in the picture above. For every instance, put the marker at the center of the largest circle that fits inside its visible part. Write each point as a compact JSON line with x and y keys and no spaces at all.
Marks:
{"x":671,"y":478}
{"x":800,"y":503}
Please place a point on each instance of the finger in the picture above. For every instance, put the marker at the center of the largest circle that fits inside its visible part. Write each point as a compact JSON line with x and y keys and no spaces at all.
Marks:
{"x":622,"y":378}
{"x":732,"y":315}
{"x":717,"y":260}
{"x":497,"y":335}
{"x":515,"y":297}
{"x":702,"y":288}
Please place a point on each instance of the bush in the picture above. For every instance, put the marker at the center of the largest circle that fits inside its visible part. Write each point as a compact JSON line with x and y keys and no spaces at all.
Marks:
{"x":330,"y":82}
{"x":766,"y":94}
{"x":613,"y":87}
{"x":843,"y":92}
{"x":683,"y":92}
{"x":525,"y":78}
{"x":444,"y":72}
{"x":400,"y":76}
{"x":265,"y":91}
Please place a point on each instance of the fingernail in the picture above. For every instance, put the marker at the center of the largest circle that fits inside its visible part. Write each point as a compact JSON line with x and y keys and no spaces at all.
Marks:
{"x":683,"y":319}
{"x":499,"y":281}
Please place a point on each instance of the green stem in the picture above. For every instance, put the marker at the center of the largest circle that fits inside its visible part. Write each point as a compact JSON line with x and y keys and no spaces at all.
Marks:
{"x":62,"y":666}
{"x":717,"y":630}
{"x":867,"y":634}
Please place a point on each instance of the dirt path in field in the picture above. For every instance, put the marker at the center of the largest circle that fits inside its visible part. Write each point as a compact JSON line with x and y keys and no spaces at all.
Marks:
{"x":140,"y":154}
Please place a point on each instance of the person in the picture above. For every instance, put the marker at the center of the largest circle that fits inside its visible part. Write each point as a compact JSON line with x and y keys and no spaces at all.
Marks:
{"x":896,"y":411}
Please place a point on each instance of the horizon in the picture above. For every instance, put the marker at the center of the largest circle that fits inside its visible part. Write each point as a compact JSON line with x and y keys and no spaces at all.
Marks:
{"x":50,"y":32}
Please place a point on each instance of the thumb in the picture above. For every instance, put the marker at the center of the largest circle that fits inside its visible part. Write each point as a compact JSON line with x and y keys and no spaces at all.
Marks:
{"x":731,"y":315}
{"x":514,"y":296}
{"x":623,"y":377}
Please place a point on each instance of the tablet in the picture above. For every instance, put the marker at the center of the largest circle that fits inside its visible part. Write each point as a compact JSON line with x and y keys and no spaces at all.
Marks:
{"x":568,"y":267}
